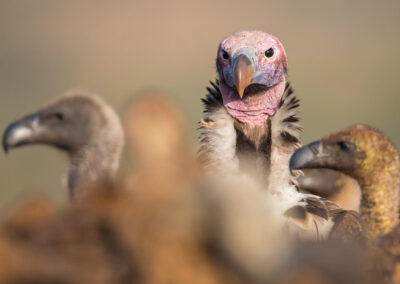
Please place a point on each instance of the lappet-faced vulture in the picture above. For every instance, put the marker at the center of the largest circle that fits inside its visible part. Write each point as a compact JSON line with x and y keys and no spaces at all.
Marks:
{"x":250,"y":127}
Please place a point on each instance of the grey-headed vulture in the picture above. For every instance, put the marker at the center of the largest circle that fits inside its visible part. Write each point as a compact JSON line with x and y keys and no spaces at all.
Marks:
{"x":81,"y":124}
{"x":250,"y":127}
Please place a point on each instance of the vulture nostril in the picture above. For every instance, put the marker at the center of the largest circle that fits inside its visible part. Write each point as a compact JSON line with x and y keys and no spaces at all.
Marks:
{"x":29,"y":123}
{"x":314,"y":150}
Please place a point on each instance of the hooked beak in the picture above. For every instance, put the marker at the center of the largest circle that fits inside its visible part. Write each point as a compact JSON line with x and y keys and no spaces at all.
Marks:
{"x":308,"y":156}
{"x":20,"y":132}
{"x":243,"y":71}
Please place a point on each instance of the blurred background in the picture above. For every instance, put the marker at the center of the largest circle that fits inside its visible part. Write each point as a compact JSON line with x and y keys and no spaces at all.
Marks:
{"x":343,"y":63}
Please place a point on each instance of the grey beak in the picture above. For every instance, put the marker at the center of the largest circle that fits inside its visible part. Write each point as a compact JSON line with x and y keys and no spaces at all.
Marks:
{"x":20,"y":132}
{"x":304,"y":156}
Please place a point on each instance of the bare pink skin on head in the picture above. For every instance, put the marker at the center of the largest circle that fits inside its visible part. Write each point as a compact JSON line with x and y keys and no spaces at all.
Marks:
{"x":270,"y":72}
{"x":253,"y":110}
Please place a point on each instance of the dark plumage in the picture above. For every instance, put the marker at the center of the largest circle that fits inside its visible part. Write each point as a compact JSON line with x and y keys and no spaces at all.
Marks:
{"x":82,"y":125}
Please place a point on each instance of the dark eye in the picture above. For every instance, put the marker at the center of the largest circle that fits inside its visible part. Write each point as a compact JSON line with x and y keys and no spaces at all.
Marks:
{"x":225,"y":55}
{"x":59,"y":115}
{"x":344,"y":145}
{"x":269,"y":52}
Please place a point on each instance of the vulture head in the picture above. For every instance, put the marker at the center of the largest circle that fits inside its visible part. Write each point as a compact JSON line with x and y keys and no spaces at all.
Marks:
{"x":81,"y":124}
{"x":368,"y":156}
{"x":252,"y":67}
{"x":359,"y":151}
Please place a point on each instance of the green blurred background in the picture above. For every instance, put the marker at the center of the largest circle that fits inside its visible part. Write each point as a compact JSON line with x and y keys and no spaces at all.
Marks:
{"x":343,"y":63}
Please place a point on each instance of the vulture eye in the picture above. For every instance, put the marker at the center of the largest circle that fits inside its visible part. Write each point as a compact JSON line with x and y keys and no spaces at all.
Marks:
{"x":269,"y":53}
{"x":344,"y":145}
{"x":225,"y":55}
{"x":59,"y":116}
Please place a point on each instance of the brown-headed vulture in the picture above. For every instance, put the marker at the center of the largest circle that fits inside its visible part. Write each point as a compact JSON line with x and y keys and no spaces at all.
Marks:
{"x":368,"y":156}
{"x":81,"y":124}
{"x":250,"y":127}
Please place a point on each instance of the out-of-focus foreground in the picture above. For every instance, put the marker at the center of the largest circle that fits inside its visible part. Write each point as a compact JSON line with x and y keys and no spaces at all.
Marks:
{"x":161,"y":223}
{"x":343,"y":59}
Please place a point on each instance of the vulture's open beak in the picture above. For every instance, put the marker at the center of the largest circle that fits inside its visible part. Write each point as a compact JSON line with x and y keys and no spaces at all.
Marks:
{"x":243,"y":71}
{"x":309,"y":156}
{"x":20,"y":132}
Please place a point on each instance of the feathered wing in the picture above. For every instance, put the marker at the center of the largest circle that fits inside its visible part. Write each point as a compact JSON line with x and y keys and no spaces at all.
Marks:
{"x":219,"y":155}
{"x":320,"y":218}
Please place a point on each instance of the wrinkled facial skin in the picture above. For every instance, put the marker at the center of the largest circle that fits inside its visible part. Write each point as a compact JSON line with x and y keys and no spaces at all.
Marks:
{"x":252,"y":69}
{"x":267,"y":71}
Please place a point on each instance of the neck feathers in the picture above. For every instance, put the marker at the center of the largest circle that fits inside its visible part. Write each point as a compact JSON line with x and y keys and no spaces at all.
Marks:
{"x":96,"y":163}
{"x":92,"y":167}
{"x":232,"y":144}
{"x":381,"y":186}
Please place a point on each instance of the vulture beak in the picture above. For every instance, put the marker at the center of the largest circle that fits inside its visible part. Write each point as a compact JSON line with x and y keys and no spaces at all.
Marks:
{"x":309,"y":156}
{"x":20,"y":132}
{"x":243,"y":71}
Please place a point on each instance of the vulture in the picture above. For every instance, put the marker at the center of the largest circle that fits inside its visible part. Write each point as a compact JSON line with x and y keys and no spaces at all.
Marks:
{"x":156,"y":143}
{"x":81,"y":124}
{"x":250,"y":129}
{"x":366,"y":155}
{"x":155,"y":131}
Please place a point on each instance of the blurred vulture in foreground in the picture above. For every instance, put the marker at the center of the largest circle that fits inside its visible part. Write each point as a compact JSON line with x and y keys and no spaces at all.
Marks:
{"x":156,"y":135}
{"x":85,"y":127}
{"x":186,"y":235}
{"x":133,"y":234}
{"x":154,"y":127}
{"x":250,"y":129}
{"x":159,"y":228}
{"x":157,"y":148}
